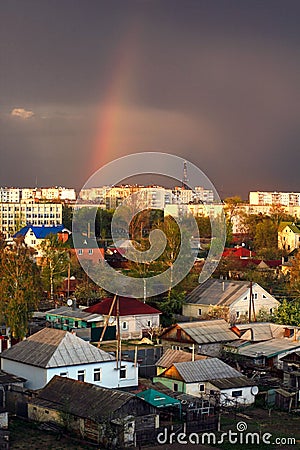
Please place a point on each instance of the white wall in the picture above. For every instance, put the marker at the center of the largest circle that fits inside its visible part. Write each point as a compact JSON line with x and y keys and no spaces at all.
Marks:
{"x":38,"y":377}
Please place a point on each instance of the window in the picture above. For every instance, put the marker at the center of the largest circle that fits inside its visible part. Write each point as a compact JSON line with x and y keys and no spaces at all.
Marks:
{"x":199,"y":312}
{"x":264,"y":296}
{"x":201,"y":387}
{"x":124,"y":325}
{"x":271,"y":310}
{"x":81,"y":375}
{"x":149,"y":323}
{"x":97,"y":374}
{"x":63,"y":374}
{"x":175,"y":387}
{"x":255,"y":296}
{"x":237,"y":314}
{"x":90,"y":251}
{"x":80,"y":251}
{"x":236,"y":393}
{"x":123,"y":372}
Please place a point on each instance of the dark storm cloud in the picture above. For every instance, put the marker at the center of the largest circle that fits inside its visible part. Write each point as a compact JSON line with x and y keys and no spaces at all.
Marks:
{"x":214,"y":82}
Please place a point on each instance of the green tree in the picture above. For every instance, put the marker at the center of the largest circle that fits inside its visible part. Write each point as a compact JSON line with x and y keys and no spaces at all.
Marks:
{"x":55,"y":260}
{"x":19,"y":288}
{"x":288,"y":313}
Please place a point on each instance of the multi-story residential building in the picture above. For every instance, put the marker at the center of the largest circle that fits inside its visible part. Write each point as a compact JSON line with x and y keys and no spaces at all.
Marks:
{"x":15,"y":215}
{"x":274,"y":198}
{"x":10,"y":195}
{"x":15,"y":195}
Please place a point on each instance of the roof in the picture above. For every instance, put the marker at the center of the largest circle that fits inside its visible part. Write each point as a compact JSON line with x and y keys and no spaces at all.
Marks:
{"x":127,"y":307}
{"x":231,"y":383}
{"x":171,"y":356}
{"x":205,"y":370}
{"x":293,"y":226}
{"x":9,"y":378}
{"x":208,"y":331}
{"x":238,"y":252}
{"x":55,"y":348}
{"x":261,"y":331}
{"x":269,"y":348}
{"x":41,"y":232}
{"x":78,"y":313}
{"x":157,"y":399}
{"x":218,"y":292}
{"x":80,"y":398}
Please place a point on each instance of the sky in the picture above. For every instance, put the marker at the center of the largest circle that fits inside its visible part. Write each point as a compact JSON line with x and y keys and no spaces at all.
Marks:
{"x":215,"y":82}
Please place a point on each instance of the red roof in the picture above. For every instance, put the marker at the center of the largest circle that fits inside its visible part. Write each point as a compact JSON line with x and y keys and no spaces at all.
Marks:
{"x":127,"y":307}
{"x":238,"y":252}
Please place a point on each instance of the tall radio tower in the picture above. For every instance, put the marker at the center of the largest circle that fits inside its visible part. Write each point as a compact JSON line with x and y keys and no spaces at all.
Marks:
{"x":185,"y":179}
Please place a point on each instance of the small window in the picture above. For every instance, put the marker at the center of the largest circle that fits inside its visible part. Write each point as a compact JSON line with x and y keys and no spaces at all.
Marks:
{"x":264,"y":296}
{"x":236,"y":393}
{"x":255,"y":296}
{"x":97,"y":374}
{"x":175,"y":387}
{"x":80,"y":251}
{"x":63,"y":374}
{"x":46,"y":411}
{"x":201,"y":387}
{"x":237,"y":314}
{"x":271,"y":310}
{"x":199,"y":312}
{"x":81,"y":375}
{"x":124,"y":325}
{"x":149,"y":323}
{"x":123,"y":372}
{"x":90,"y":251}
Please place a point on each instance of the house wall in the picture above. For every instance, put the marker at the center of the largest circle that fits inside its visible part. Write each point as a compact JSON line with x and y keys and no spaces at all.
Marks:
{"x":247,"y":398}
{"x":38,"y":377}
{"x":136,"y":324}
{"x":169,"y":383}
{"x":110,"y":375}
{"x":203,"y":349}
{"x":262,"y":300}
{"x":288,"y":239}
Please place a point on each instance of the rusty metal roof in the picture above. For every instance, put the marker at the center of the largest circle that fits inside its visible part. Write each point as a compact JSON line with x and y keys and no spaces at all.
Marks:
{"x":171,"y":356}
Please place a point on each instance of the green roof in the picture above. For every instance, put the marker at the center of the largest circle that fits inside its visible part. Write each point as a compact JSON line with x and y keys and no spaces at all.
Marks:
{"x":157,"y":399}
{"x":292,"y":225}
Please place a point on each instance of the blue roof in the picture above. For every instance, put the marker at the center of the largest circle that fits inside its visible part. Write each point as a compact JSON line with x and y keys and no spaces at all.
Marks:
{"x":41,"y":232}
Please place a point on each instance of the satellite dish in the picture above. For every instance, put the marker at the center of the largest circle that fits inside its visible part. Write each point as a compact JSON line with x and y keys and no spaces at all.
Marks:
{"x":254,"y":390}
{"x":69,"y":302}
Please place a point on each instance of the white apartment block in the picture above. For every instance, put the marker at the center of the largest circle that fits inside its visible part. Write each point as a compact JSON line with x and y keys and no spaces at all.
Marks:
{"x":10,"y":195}
{"x":274,"y":198}
{"x":14,"y":216}
{"x":15,"y":195}
{"x":157,"y":196}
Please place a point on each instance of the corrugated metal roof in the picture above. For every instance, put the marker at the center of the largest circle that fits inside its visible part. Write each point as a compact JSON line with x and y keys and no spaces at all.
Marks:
{"x":232,"y":383}
{"x":42,"y":231}
{"x":171,"y":356}
{"x":218,"y":292}
{"x":157,"y":399}
{"x":66,"y":311}
{"x":209,"y":331}
{"x":55,"y":348}
{"x":269,"y":348}
{"x":205,"y":370}
{"x":81,"y":399}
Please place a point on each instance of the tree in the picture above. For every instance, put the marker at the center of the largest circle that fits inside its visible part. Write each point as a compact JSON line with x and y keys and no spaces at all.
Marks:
{"x":266,"y":239}
{"x":55,"y":260}
{"x":19,"y":288}
{"x":288,"y":313}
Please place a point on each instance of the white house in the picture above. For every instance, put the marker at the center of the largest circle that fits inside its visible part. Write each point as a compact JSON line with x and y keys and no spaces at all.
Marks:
{"x":235,"y":295}
{"x":208,"y":376}
{"x":135,"y":316}
{"x":52,"y":352}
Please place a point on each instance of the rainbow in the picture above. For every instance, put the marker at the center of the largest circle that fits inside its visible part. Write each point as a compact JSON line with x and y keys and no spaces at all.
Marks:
{"x":107,"y":141}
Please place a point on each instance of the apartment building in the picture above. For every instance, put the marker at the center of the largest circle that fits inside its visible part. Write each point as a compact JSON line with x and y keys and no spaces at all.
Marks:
{"x":14,"y":216}
{"x":15,"y":195}
{"x":274,"y":198}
